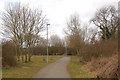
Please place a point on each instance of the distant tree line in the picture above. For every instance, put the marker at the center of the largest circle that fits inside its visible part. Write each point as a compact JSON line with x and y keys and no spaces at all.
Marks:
{"x":56,"y":47}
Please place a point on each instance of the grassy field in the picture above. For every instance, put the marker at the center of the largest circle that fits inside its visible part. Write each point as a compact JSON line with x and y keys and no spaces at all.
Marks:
{"x":77,"y":69}
{"x":28,"y":70}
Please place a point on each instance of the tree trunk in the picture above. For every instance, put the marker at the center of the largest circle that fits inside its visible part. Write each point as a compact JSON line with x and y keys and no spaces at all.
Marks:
{"x":18,"y":58}
{"x":78,"y":52}
{"x":29,"y":59}
{"x":30,"y":54}
{"x":18,"y":53}
{"x":22,"y":58}
{"x":26,"y":58}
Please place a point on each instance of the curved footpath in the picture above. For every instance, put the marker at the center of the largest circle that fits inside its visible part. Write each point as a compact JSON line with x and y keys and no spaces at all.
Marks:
{"x":55,"y":70}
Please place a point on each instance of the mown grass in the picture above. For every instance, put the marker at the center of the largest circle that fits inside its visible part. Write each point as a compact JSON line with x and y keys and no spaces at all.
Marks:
{"x":77,"y":69}
{"x":28,"y":70}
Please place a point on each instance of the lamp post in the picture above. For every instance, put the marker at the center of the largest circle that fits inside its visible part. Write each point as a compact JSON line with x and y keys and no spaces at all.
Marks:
{"x":66,"y":47}
{"x":119,"y":35}
{"x":47,"y":42}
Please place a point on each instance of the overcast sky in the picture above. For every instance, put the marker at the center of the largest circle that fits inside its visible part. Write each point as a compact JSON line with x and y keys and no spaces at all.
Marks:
{"x":58,"y":11}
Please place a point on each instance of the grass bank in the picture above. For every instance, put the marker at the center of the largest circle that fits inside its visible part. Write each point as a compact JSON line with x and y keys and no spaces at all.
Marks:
{"x":28,"y":70}
{"x":77,"y":69}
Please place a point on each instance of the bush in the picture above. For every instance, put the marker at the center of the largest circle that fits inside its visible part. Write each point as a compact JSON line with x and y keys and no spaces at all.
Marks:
{"x":104,"y":67}
{"x":102,"y":58}
{"x":110,"y":69}
{"x":8,"y":54}
{"x":100,"y":49}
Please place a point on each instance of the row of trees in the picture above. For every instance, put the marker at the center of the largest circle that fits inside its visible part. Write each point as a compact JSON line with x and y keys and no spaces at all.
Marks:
{"x":22,"y":25}
{"x":56,"y":46}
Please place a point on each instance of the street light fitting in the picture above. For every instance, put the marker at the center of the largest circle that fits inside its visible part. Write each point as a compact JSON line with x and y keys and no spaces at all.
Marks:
{"x":48,"y":24}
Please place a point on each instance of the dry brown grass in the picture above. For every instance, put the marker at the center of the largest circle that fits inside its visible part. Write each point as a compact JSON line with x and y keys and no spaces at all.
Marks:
{"x":101,"y":58}
{"x":96,"y":64}
{"x":110,"y":70}
{"x":104,"y":67}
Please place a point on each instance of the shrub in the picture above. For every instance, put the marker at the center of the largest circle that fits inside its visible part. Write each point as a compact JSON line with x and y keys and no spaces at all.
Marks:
{"x":104,"y":67}
{"x":8,"y":54}
{"x":100,"y":49}
{"x":110,"y":69}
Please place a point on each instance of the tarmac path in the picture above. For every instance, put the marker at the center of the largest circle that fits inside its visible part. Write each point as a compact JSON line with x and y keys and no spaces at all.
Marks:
{"x":55,"y":70}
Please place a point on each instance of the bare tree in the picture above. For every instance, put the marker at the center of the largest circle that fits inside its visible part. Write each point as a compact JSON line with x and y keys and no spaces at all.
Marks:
{"x":55,"y":40}
{"x":74,"y":32}
{"x":36,"y":24}
{"x":12,"y":26}
{"x":107,"y":20}
{"x":23,"y":25}
{"x":56,"y":45}
{"x":42,"y":42}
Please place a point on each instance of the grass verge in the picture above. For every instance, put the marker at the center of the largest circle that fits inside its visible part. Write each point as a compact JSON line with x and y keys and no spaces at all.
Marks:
{"x":77,"y":69}
{"x":28,"y":70}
